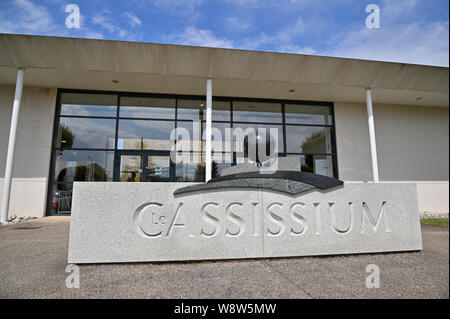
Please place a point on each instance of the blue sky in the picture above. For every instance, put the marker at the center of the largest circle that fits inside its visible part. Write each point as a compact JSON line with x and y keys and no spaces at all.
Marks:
{"x":411,"y":31}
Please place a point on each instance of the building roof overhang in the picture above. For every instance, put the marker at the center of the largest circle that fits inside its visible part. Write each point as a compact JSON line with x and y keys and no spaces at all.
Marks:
{"x":164,"y":68}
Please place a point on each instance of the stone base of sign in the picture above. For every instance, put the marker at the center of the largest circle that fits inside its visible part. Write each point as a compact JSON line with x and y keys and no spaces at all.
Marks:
{"x":137,"y":222}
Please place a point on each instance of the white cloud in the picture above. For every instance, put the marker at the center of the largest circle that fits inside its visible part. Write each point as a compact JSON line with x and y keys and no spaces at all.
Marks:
{"x":199,"y":37}
{"x":133,"y":20}
{"x":107,"y":22}
{"x":91,"y":34}
{"x":28,"y":18}
{"x":282,"y":41}
{"x":292,"y":48}
{"x":396,"y":40}
{"x":246,"y":3}
{"x":180,"y":7}
{"x":408,"y":43}
{"x":238,"y":24}
{"x":25,"y":17}
{"x":392,"y":10}
{"x":287,"y":4}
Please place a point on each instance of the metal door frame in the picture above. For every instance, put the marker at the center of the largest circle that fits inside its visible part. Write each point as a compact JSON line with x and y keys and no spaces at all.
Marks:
{"x":144,"y":162}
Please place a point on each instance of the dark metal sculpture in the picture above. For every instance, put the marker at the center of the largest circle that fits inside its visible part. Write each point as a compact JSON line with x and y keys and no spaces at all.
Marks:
{"x":259,"y":147}
{"x":290,"y":182}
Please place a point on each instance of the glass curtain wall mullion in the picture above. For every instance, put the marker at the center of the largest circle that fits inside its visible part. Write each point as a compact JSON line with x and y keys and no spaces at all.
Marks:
{"x":234,"y":160}
{"x":318,"y":125}
{"x":283,"y":110}
{"x":88,"y":117}
{"x":322,"y":154}
{"x":84,"y":149}
{"x":116,"y":133}
{"x":258,"y":123}
{"x":146,"y":119}
{"x":333,"y":140}
{"x":52,"y":155}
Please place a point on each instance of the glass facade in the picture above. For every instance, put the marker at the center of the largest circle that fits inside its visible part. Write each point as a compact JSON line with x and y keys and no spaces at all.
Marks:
{"x":127,"y":137}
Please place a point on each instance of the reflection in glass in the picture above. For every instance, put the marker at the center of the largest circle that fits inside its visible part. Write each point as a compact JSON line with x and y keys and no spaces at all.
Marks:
{"x":61,"y":199}
{"x":239,"y":144}
{"x":196,"y":110}
{"x":81,"y":104}
{"x":218,"y":165}
{"x":257,"y":112}
{"x":86,"y":133}
{"x":145,"y":134}
{"x":191,"y":110}
{"x":220,"y":140}
{"x":221,"y":111}
{"x":138,"y":134}
{"x":308,"y":114}
{"x":130,"y":168}
{"x":158,"y":168}
{"x":308,"y":139}
{"x":190,"y":172}
{"x":319,"y":164}
{"x":91,"y":166}
{"x":194,"y":128}
{"x":193,"y":171}
{"x":144,"y":107}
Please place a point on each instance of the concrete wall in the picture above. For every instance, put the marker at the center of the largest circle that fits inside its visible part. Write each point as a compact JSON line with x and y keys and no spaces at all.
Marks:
{"x":412,"y":145}
{"x":33,"y":148}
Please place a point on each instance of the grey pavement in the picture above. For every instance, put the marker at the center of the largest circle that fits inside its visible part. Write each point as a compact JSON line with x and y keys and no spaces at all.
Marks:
{"x":33,"y":260}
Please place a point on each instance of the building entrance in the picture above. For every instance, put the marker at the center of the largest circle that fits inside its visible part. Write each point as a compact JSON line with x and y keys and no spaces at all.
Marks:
{"x":143,"y":166}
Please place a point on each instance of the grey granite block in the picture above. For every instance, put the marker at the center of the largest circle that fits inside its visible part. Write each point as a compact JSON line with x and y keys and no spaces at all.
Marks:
{"x":135,"y":222}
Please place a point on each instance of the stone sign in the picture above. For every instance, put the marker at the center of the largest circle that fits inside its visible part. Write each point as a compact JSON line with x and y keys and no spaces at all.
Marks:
{"x":136,"y":222}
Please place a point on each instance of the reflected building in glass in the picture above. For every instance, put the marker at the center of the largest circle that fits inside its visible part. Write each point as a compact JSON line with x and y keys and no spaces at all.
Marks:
{"x":122,"y":137}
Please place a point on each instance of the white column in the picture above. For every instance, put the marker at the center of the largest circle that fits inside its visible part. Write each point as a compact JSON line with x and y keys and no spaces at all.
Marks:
{"x":208,"y":128}
{"x":11,"y":147}
{"x":373,"y":144}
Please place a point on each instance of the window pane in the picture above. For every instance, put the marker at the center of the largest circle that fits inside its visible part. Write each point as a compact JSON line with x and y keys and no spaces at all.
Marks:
{"x":196,"y":110}
{"x":142,"y":134}
{"x":308,"y":139}
{"x":308,"y":114}
{"x":130,"y":168}
{"x":220,"y":142}
{"x":158,"y":169}
{"x":220,"y":161}
{"x":221,"y":111}
{"x":89,"y":166}
{"x":319,"y":164}
{"x":143,"y":107}
{"x":61,"y":199}
{"x":191,"y":169}
{"x":190,"y":126}
{"x":257,"y":112}
{"x":88,"y":104}
{"x":239,"y":144}
{"x":191,"y":110}
{"x":86,"y":133}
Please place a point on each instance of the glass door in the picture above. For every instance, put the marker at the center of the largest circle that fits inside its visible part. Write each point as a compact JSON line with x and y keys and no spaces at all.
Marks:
{"x":130,"y":169}
{"x":143,"y":166}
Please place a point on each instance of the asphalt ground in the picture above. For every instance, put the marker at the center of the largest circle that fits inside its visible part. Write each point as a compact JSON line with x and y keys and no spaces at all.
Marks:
{"x":33,"y":261}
